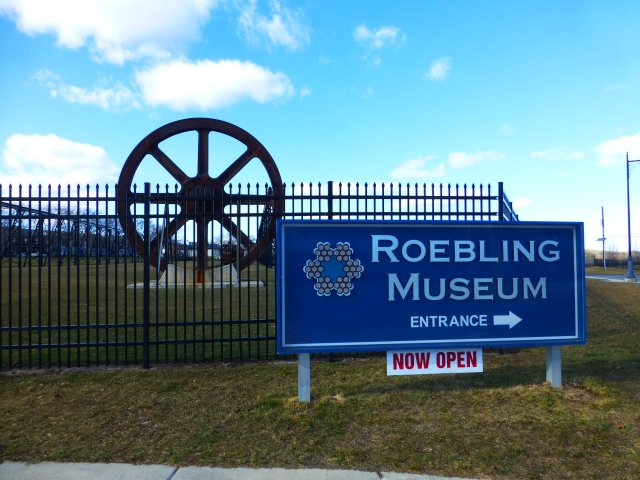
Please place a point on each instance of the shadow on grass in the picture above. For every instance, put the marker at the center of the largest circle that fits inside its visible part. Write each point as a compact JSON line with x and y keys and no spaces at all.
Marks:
{"x":507,"y":376}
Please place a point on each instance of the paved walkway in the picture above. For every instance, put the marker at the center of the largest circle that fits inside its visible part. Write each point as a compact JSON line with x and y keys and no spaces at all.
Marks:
{"x":122,"y":471}
{"x":610,"y":278}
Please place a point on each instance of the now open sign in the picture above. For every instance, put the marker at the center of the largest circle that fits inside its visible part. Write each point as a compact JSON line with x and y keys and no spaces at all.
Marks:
{"x":420,"y":362}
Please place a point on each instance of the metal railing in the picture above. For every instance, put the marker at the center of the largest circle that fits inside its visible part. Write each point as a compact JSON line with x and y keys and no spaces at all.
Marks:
{"x":74,"y":293}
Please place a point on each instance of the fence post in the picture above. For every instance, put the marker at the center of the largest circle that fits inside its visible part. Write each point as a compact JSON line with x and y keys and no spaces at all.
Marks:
{"x":330,"y":199}
{"x":500,"y":202}
{"x":146,"y":275}
{"x":330,"y":217}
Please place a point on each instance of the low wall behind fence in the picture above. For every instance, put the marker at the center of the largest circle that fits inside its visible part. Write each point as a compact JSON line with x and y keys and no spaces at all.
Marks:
{"x":75,"y":293}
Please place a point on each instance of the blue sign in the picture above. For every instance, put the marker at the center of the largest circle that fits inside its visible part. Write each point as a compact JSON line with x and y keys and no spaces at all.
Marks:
{"x":365,"y":286}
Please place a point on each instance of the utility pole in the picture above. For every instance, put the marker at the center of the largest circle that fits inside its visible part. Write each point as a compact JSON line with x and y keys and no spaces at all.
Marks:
{"x":629,"y":276}
{"x":603,"y":239}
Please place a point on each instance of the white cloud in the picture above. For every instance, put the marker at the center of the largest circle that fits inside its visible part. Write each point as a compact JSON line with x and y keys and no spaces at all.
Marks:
{"x":112,"y":96}
{"x":305,"y":91}
{"x":463,"y":159}
{"x":439,"y":69}
{"x":614,"y":151}
{"x":519,"y":203}
{"x":115,"y":31}
{"x":563,"y":153}
{"x":368,"y":92}
{"x":417,"y":168}
{"x":379,"y":38}
{"x":179,"y":85}
{"x":49,"y":159}
{"x":374,"y":60}
{"x":505,"y":129}
{"x":282,"y":27}
{"x":613,"y":86}
{"x":106,"y":98}
{"x":374,"y":40}
{"x":206,"y":84}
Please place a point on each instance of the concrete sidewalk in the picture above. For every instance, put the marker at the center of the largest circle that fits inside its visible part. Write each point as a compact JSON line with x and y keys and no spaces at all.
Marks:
{"x":122,"y":471}
{"x":610,"y":277}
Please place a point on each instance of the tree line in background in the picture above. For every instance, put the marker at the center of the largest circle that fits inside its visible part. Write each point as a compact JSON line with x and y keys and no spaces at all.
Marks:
{"x":613,"y":259}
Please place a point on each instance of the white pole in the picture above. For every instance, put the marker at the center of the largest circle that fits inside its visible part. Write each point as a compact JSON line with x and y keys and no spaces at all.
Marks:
{"x":304,"y":377}
{"x":554,"y":366}
{"x":604,"y":258}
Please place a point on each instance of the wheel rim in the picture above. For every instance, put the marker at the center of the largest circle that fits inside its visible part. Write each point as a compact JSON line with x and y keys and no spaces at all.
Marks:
{"x":201,"y":198}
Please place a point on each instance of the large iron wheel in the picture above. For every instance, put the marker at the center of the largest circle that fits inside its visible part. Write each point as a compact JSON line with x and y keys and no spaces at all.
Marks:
{"x":201,"y":198}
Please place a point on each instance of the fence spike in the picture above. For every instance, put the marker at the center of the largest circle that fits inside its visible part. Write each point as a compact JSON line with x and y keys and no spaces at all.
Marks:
{"x":362,"y":204}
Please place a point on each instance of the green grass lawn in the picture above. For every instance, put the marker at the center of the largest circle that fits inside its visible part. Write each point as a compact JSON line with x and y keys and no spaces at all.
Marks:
{"x":503,"y":423}
{"x":610,"y":270}
{"x":85,"y":314}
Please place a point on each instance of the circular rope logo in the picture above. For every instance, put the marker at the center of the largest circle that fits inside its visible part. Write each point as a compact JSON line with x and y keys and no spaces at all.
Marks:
{"x":333,"y":269}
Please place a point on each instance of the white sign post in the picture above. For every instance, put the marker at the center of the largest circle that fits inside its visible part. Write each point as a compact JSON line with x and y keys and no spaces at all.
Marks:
{"x":304,"y":377}
{"x":554,"y":366}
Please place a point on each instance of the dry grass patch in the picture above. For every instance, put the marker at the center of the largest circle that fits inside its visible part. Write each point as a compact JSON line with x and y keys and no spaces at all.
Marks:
{"x":503,"y":423}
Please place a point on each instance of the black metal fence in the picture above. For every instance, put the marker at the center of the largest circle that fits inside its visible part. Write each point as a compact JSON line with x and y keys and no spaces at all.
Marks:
{"x":74,"y":292}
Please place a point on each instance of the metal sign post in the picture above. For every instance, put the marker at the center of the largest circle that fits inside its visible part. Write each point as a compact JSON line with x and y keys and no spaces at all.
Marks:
{"x":554,"y":366}
{"x":304,"y":377}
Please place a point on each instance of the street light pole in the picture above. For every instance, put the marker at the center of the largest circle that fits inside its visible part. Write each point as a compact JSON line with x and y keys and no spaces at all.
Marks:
{"x":629,"y":276}
{"x":604,"y":239}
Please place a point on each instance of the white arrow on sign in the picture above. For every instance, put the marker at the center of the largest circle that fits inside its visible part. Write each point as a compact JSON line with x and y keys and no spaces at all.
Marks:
{"x":512,"y":320}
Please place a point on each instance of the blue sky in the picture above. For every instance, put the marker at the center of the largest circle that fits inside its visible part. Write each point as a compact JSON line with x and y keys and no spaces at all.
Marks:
{"x":543,"y":96}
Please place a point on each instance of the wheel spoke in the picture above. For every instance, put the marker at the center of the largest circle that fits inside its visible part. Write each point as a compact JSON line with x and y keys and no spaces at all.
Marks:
{"x":170,"y":230}
{"x":202,"y":244}
{"x":161,"y":198}
{"x":247,"y":199}
{"x":203,"y":152}
{"x":233,"y":169}
{"x":168,"y":164}
{"x":165,"y":234}
{"x":235,"y":231}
